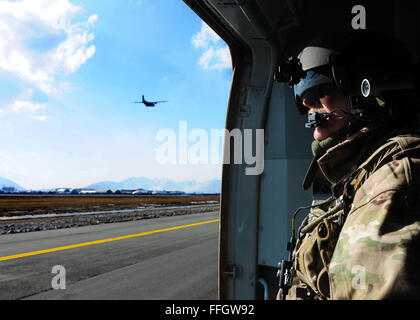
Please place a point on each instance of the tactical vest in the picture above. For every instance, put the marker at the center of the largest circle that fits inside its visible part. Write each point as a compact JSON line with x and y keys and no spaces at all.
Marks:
{"x":320,"y":230}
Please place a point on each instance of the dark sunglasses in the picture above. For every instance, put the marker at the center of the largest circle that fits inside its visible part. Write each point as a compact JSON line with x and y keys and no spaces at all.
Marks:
{"x":313,"y":95}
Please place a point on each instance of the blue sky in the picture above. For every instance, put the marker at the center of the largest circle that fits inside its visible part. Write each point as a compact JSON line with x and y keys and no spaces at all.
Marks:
{"x":69,"y":70}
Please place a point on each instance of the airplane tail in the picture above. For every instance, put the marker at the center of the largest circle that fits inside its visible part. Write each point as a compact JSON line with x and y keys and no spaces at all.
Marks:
{"x":143,"y":98}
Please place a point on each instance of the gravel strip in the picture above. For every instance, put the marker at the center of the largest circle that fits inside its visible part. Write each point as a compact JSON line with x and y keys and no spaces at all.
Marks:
{"x":30,"y":225}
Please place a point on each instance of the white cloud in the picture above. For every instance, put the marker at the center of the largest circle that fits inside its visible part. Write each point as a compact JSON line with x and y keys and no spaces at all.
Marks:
{"x":215,"y":59}
{"x":92,"y":20}
{"x":205,"y":37}
{"x":42,"y":20}
{"x":39,"y":118}
{"x":23,"y":105}
{"x":20,"y":106}
{"x":217,"y":54}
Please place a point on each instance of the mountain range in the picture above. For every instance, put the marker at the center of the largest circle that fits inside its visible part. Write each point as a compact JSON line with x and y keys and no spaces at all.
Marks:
{"x":210,"y":186}
{"x":9,"y":183}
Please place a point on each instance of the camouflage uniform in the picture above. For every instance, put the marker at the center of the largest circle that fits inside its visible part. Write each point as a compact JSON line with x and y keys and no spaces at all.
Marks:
{"x":364,"y":243}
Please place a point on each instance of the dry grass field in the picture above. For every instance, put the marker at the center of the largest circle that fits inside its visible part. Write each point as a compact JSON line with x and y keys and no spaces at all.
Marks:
{"x":15,"y":205}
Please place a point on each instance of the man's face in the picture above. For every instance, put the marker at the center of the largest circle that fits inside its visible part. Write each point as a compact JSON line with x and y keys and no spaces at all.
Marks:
{"x":335,"y":103}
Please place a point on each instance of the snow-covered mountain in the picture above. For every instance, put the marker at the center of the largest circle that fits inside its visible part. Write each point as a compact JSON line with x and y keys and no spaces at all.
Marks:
{"x":210,"y":186}
{"x":9,"y":183}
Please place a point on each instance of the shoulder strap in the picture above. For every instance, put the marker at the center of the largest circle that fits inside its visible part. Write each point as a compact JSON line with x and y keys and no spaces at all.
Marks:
{"x":394,"y":148}
{"x":410,"y":147}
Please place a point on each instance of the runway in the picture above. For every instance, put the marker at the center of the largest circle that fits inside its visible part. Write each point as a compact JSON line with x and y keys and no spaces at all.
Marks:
{"x":163,"y":258}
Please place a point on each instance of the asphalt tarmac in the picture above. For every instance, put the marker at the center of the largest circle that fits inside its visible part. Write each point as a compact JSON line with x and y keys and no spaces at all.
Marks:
{"x":137,"y":260}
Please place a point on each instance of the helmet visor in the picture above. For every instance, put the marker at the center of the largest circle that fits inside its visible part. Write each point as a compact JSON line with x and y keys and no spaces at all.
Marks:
{"x":312,"y":88}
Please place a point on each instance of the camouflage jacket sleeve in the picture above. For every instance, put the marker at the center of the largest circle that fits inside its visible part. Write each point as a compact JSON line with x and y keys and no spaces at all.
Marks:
{"x":377,"y":255}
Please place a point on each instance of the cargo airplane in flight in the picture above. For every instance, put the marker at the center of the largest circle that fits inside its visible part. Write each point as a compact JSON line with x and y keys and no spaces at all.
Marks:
{"x":148,"y":103}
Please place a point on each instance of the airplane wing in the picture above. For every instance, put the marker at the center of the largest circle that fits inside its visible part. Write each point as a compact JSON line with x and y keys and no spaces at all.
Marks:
{"x":136,"y":102}
{"x":159,"y":101}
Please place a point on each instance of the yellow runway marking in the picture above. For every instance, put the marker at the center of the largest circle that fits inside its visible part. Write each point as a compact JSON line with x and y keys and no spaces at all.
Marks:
{"x":84,"y":244}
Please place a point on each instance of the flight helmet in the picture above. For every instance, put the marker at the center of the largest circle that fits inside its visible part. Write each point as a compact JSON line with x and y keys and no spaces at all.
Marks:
{"x":371,"y":69}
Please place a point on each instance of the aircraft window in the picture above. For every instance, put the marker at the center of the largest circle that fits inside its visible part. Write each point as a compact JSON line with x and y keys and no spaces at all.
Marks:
{"x":110,"y":112}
